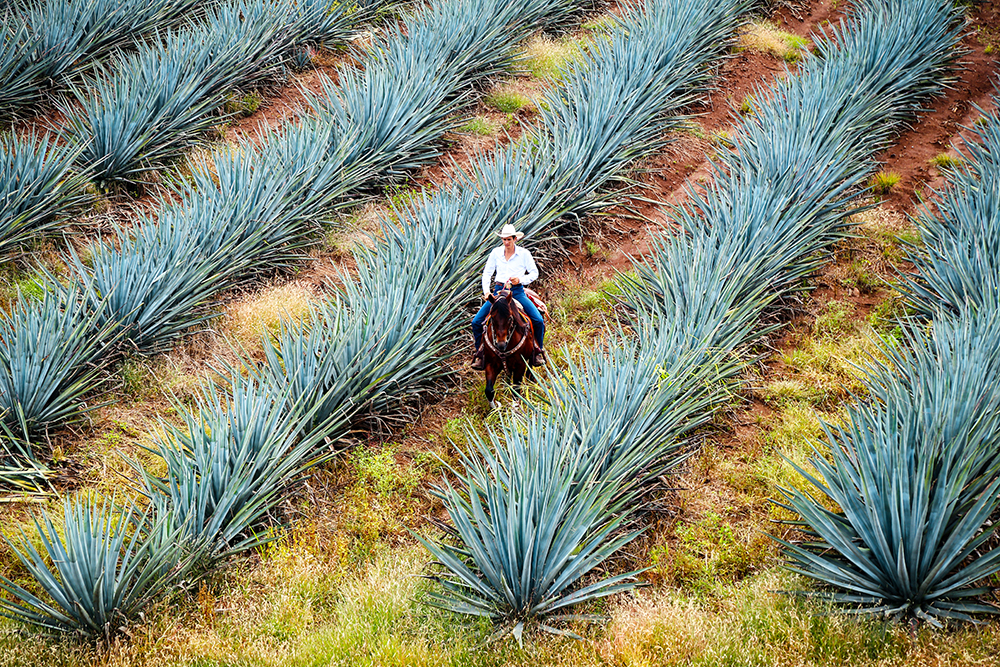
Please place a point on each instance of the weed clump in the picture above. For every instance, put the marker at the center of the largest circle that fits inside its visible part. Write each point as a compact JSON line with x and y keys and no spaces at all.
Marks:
{"x":477,"y":125}
{"x":944,"y":161}
{"x":767,"y":37}
{"x":883,"y":182}
{"x":243,"y":105}
{"x":547,"y":58}
{"x":507,"y":101}
{"x":836,"y":320}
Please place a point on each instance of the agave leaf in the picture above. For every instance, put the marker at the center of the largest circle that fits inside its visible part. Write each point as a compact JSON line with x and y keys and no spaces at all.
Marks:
{"x":51,"y":354}
{"x":99,"y":575}
{"x":37,"y":189}
{"x":227,"y":467}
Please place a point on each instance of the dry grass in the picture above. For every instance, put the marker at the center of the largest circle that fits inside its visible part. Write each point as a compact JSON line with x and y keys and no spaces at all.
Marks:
{"x":547,"y":58}
{"x":251,"y":319}
{"x":766,"y":37}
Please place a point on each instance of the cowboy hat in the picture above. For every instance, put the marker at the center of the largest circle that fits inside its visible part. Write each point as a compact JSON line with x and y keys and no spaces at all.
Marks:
{"x":508,"y":230}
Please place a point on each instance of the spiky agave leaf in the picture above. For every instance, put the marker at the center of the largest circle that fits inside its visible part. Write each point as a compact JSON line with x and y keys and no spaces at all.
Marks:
{"x":47,"y":42}
{"x":154,"y":103}
{"x":97,"y":576}
{"x":37,"y":188}
{"x":915,"y":476}
{"x":406,"y":95}
{"x":20,"y":472}
{"x":152,"y":286}
{"x":227,"y":468}
{"x":642,"y":397}
{"x":68,"y":35}
{"x":370,"y":351}
{"x":19,"y":70}
{"x":327,"y":23}
{"x":620,"y":97}
{"x":781,"y":194}
{"x":51,"y":353}
{"x":531,"y":522}
{"x":259,"y":207}
{"x":959,"y":257}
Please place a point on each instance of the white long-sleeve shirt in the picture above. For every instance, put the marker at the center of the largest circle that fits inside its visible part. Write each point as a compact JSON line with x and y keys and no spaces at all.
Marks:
{"x":520,"y":265}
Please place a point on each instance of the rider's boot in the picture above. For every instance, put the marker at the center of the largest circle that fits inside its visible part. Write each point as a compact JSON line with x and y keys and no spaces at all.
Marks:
{"x":538,"y":357}
{"x":478,"y":362}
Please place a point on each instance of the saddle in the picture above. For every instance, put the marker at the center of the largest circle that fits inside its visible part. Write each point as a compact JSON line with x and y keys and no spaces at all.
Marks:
{"x":518,"y":310}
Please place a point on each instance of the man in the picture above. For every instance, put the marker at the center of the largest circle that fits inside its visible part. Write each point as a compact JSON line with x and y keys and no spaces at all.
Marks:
{"x":513,"y":268}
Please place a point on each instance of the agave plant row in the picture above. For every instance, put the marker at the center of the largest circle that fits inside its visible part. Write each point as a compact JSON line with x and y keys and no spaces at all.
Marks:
{"x":381,"y":341}
{"x":679,"y":364}
{"x":242,"y":209}
{"x":535,"y":508}
{"x":916,"y":472}
{"x":50,"y":41}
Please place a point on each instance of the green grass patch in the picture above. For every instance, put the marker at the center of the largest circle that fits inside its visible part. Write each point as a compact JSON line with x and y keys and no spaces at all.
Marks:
{"x":708,"y":554}
{"x":507,"y":101}
{"x":767,"y":37}
{"x":578,"y":305}
{"x":246,"y":104}
{"x":547,"y":58}
{"x":138,"y":381}
{"x":827,"y":359}
{"x":788,"y":438}
{"x":835,"y":320}
{"x":20,"y":286}
{"x":860,"y":276}
{"x":379,"y":503}
{"x":401,"y":196}
{"x":791,"y":390}
{"x":478,"y":125}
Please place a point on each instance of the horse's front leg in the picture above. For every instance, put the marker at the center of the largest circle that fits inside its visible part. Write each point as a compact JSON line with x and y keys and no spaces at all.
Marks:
{"x":491,"y":377}
{"x":520,"y":369}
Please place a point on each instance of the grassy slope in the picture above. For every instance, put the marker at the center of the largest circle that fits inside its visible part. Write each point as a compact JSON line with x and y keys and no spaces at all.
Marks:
{"x":343,"y":586}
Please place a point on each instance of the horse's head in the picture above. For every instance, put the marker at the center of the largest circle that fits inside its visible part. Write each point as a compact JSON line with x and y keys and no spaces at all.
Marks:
{"x":501,"y":320}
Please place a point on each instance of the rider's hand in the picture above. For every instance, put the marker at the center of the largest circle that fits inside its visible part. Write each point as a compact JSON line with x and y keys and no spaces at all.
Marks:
{"x":514,"y":281}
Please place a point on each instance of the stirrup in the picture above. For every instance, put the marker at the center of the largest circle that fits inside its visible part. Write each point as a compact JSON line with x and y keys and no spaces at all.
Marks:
{"x":538,"y":358}
{"x":478,"y":361}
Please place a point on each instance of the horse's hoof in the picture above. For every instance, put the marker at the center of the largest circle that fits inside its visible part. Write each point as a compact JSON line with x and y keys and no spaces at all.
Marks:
{"x":494,"y":405}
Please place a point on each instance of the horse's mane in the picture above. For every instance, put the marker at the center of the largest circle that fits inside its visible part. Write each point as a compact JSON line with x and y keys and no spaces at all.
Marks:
{"x":502,"y":306}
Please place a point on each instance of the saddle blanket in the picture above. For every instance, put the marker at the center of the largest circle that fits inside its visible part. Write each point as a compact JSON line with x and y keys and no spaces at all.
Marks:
{"x":537,"y":300}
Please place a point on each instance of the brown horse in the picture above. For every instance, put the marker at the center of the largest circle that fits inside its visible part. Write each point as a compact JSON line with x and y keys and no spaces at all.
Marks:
{"x":509,"y":342}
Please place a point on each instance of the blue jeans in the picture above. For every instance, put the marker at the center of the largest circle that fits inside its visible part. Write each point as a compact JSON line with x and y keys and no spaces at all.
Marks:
{"x":516,"y":291}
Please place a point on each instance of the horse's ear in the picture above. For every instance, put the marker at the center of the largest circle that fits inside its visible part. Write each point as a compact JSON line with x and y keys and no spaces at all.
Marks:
{"x":491,"y":298}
